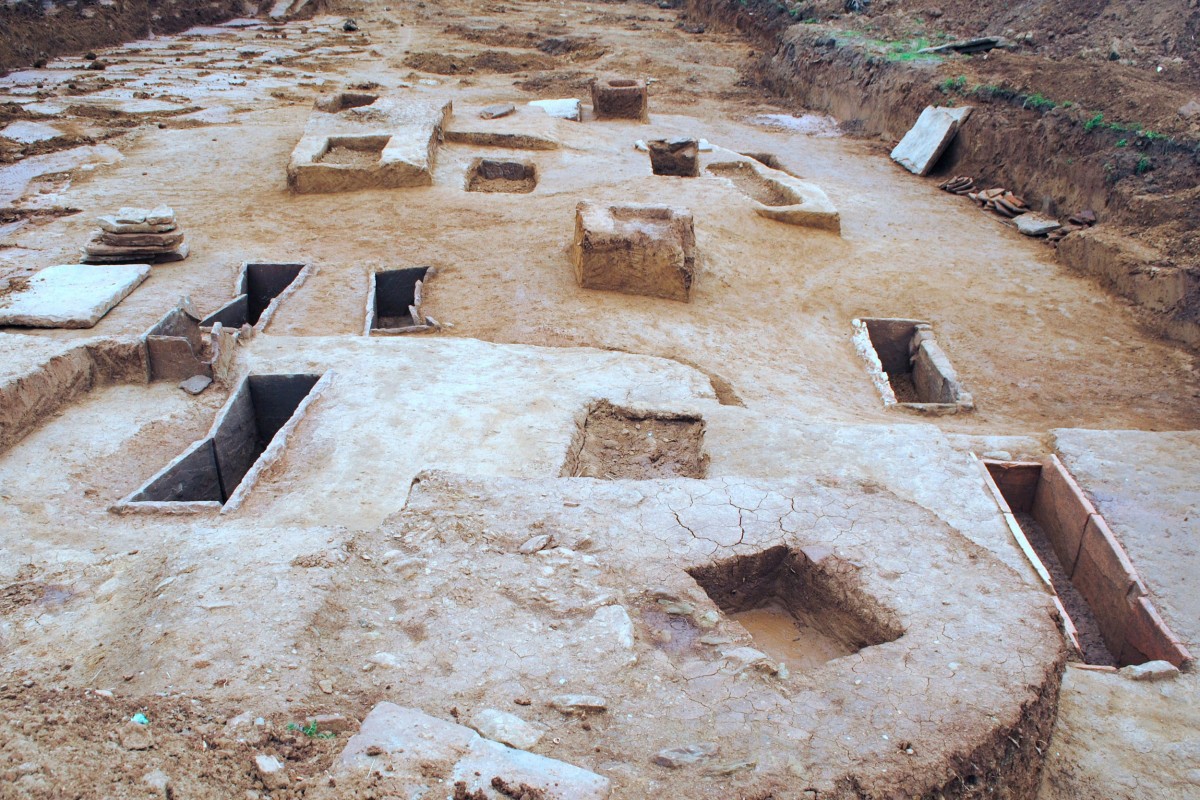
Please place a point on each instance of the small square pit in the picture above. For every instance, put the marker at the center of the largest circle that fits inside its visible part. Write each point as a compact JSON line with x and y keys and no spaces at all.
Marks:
{"x":679,"y":157}
{"x":501,"y":175}
{"x":635,"y":249}
{"x":620,"y":98}
{"x":802,"y":609}
{"x":394,"y":301}
{"x":616,"y":443}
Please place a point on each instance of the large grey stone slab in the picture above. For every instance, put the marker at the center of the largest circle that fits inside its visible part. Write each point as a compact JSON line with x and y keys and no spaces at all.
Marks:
{"x":925,"y":142}
{"x":71,"y":295}
{"x":400,"y":743}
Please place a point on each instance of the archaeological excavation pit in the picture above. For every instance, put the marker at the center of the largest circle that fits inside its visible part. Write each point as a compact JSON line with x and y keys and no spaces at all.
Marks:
{"x":621,"y":444}
{"x":800,"y":610}
{"x":500,"y":175}
{"x":394,"y":301}
{"x":1110,"y":619}
{"x":362,"y":152}
{"x":260,"y":288}
{"x":214,"y":470}
{"x":341,"y":101}
{"x":908,"y":366}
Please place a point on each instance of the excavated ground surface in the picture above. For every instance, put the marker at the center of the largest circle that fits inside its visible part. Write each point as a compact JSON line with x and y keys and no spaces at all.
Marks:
{"x":315,"y":597}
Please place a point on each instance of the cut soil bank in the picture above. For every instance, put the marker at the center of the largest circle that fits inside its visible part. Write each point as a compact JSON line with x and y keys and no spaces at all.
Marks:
{"x":33,"y":31}
{"x":1062,"y":134}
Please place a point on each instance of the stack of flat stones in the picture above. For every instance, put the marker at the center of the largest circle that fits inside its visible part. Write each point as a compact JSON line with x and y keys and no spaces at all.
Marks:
{"x":136,"y":236}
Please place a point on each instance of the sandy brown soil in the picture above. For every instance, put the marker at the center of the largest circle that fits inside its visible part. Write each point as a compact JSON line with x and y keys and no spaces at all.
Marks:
{"x":230,"y":615}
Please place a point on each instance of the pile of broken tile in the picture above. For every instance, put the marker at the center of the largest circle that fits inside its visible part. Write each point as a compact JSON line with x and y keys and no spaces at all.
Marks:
{"x":136,"y":236}
{"x":1003,"y":203}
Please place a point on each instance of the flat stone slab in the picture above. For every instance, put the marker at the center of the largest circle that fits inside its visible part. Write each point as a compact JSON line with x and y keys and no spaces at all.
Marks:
{"x":406,"y":747}
{"x":29,"y":132}
{"x":565,"y":108}
{"x":71,"y":295}
{"x":925,"y":142}
{"x":1036,"y":224}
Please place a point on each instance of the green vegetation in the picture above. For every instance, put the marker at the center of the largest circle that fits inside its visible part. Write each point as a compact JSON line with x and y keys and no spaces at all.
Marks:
{"x":310,"y":730}
{"x":1144,"y":165}
{"x":952,"y":84}
{"x":1094,"y":122}
{"x":1122,"y":142}
{"x":1038,"y":103}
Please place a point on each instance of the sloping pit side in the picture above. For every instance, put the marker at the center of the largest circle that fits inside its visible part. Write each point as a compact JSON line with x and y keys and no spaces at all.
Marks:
{"x":212,"y":473}
{"x":261,"y":288}
{"x":1110,"y":612}
{"x":801,"y":607}
{"x":779,"y":196}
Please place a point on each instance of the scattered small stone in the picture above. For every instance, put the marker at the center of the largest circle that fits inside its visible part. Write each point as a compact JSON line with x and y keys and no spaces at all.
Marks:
{"x":537,"y":543}
{"x":731,"y":768}
{"x":196,"y":384}
{"x":495,"y":112}
{"x":326,"y":686}
{"x":523,"y":701}
{"x":1150,"y":671}
{"x":135,"y":736}
{"x":579,"y":703}
{"x":271,"y":772}
{"x":334,"y":723}
{"x":1085,"y":218}
{"x":159,"y":781}
{"x":675,"y":757}
{"x":1190,"y":109}
{"x":350,"y":26}
{"x":97,"y":65}
{"x":374,"y":750}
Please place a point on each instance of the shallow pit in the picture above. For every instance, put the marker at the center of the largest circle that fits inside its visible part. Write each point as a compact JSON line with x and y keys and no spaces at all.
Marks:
{"x":353,"y":151}
{"x":258,"y":286}
{"x":800,"y":610}
{"x":211,"y":470}
{"x":395,"y":299}
{"x":341,"y":101}
{"x":499,"y":175}
{"x":620,"y":444}
{"x":753,"y":185}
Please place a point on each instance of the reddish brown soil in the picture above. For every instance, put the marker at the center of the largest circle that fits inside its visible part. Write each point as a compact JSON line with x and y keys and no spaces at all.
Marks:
{"x":618,"y":444}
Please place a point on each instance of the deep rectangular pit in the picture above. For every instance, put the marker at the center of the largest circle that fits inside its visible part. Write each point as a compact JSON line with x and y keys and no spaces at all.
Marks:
{"x":212,"y":469}
{"x":617,"y":443}
{"x":353,"y":151}
{"x":1114,"y":620}
{"x":499,"y":175}
{"x":395,"y":300}
{"x":800,"y":610}
{"x":258,"y":286}
{"x":914,"y":365}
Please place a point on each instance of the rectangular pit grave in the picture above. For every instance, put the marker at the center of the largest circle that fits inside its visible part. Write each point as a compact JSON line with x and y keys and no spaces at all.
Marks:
{"x":908,"y":366}
{"x":394,"y":301}
{"x":620,"y":444}
{"x":1110,"y":617}
{"x":261,"y":288}
{"x":248,"y":434}
{"x":501,"y":175}
{"x":800,"y":609}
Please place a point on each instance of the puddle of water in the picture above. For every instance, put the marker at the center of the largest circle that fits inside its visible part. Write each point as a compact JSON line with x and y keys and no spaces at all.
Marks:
{"x":784,"y":638}
{"x":808,"y":124}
